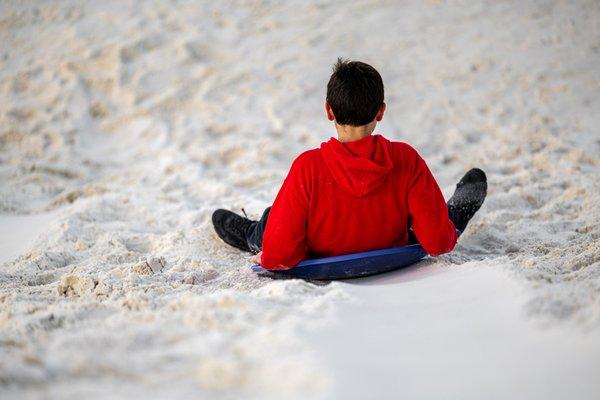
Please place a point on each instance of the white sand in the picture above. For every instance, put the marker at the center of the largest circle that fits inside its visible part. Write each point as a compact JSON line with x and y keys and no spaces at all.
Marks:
{"x":19,"y":233}
{"x":455,"y":332}
{"x":124,"y":124}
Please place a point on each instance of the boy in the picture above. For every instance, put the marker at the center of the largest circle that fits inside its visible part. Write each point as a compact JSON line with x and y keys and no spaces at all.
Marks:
{"x":358,"y":192}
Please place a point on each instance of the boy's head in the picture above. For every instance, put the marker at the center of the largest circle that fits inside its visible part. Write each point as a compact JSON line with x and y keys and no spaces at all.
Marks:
{"x":355,"y":93}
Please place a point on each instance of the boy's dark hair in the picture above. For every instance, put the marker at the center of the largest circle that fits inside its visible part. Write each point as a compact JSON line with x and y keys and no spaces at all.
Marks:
{"x":354,"y":92}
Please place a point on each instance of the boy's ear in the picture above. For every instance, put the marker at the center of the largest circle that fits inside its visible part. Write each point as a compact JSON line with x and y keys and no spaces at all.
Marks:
{"x":380,"y":113}
{"x":329,"y":112}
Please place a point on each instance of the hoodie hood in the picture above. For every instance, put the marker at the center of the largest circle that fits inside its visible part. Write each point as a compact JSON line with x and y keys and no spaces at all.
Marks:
{"x":358,"y":167}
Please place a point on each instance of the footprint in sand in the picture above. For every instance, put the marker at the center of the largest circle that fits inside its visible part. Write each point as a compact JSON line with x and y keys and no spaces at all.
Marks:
{"x":144,"y":45}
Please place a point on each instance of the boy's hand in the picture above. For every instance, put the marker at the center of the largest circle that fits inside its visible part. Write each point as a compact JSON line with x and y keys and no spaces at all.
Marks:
{"x":256,"y":258}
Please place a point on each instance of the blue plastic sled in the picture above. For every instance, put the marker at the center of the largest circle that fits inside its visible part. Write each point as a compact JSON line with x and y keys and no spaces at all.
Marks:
{"x":354,"y":265}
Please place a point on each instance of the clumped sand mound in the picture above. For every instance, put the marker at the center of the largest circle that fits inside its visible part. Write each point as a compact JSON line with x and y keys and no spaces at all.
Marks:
{"x":130,"y":122}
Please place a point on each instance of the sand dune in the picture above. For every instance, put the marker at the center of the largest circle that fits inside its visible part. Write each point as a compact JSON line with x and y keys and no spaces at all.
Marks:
{"x":123,"y":125}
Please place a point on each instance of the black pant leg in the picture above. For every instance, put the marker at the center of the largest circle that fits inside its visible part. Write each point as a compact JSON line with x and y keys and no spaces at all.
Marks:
{"x":454,"y":217}
{"x":256,"y":231}
{"x":412,"y":239}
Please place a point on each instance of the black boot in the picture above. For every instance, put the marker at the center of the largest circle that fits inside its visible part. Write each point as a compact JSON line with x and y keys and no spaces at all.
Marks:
{"x":467,"y":198}
{"x":232,"y":228}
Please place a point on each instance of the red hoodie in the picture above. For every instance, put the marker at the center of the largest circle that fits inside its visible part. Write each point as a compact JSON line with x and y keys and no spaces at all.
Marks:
{"x":355,"y":196}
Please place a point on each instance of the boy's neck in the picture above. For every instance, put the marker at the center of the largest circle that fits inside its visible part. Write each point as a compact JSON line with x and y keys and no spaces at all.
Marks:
{"x":348,"y":133}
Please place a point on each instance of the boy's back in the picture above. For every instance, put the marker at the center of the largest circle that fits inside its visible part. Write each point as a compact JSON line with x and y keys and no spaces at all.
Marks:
{"x":358,"y":192}
{"x":355,"y":196}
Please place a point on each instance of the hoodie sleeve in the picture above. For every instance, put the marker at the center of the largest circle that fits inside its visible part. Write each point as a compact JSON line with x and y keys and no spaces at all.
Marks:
{"x":428,"y":211}
{"x":284,"y":240}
